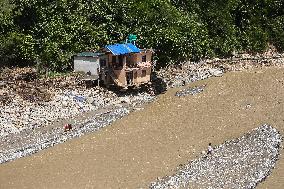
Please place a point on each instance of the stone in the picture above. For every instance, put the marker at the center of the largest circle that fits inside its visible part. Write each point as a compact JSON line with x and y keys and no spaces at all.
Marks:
{"x":240,"y":163}
{"x":216,"y":72}
{"x":190,"y":91}
{"x":29,"y":102}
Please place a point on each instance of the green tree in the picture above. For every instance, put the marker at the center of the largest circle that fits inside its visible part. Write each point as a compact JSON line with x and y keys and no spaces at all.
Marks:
{"x":251,"y":19}
{"x":49,"y":32}
{"x":55,"y":30}
{"x":276,"y":23}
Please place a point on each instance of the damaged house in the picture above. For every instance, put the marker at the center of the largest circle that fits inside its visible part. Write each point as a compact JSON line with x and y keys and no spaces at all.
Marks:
{"x":121,"y":64}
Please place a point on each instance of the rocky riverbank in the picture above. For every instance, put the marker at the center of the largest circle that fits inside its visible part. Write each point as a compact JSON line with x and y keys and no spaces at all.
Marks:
{"x":30,"y":105}
{"x":187,"y":72}
{"x":151,"y":143}
{"x":240,"y":163}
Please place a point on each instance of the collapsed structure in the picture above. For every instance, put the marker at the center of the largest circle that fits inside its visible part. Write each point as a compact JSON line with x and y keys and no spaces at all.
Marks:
{"x":121,"y":64}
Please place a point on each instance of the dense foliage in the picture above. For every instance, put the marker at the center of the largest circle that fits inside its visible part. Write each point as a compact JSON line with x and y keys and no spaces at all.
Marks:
{"x":47,"y":33}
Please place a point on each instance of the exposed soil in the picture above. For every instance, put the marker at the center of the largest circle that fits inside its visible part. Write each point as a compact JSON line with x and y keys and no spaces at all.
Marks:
{"x":152,"y":142}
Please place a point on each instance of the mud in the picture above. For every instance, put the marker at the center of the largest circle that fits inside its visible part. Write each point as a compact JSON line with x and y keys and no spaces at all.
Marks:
{"x":151,"y":143}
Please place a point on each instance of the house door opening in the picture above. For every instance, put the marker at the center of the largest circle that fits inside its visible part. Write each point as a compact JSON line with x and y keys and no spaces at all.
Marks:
{"x":129,"y":78}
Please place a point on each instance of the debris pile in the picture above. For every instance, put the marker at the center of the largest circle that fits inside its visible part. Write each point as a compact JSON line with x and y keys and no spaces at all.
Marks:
{"x":17,"y":74}
{"x":240,"y":163}
{"x":25,"y":83}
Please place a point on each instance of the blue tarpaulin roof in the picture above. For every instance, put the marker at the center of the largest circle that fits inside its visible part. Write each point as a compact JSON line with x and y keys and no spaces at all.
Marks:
{"x":120,"y":49}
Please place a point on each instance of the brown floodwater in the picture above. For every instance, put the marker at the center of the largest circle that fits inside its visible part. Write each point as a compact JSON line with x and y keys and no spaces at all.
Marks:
{"x":153,"y":142}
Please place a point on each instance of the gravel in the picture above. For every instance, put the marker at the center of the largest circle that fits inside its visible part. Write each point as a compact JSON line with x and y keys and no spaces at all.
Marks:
{"x":28,"y":103}
{"x":190,"y":91}
{"x":32,"y":140}
{"x":187,"y":72}
{"x":20,"y":114}
{"x":36,"y":141}
{"x":31,"y":109}
{"x":240,"y":163}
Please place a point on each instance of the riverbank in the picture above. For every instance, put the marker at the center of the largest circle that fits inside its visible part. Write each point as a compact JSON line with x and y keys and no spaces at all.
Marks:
{"x":34,"y":110}
{"x":240,"y":163}
{"x":151,"y":143}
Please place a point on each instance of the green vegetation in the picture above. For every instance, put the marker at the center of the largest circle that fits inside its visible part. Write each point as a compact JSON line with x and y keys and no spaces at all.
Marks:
{"x":46,"y":33}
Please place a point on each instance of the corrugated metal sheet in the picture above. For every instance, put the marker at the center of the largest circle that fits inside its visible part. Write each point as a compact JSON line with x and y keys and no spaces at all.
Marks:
{"x":120,"y":49}
{"x":87,"y":64}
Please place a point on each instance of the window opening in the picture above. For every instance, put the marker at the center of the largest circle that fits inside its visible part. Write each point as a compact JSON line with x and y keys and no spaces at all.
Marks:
{"x":144,"y":58}
{"x":120,"y":61}
{"x":103,"y":62}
